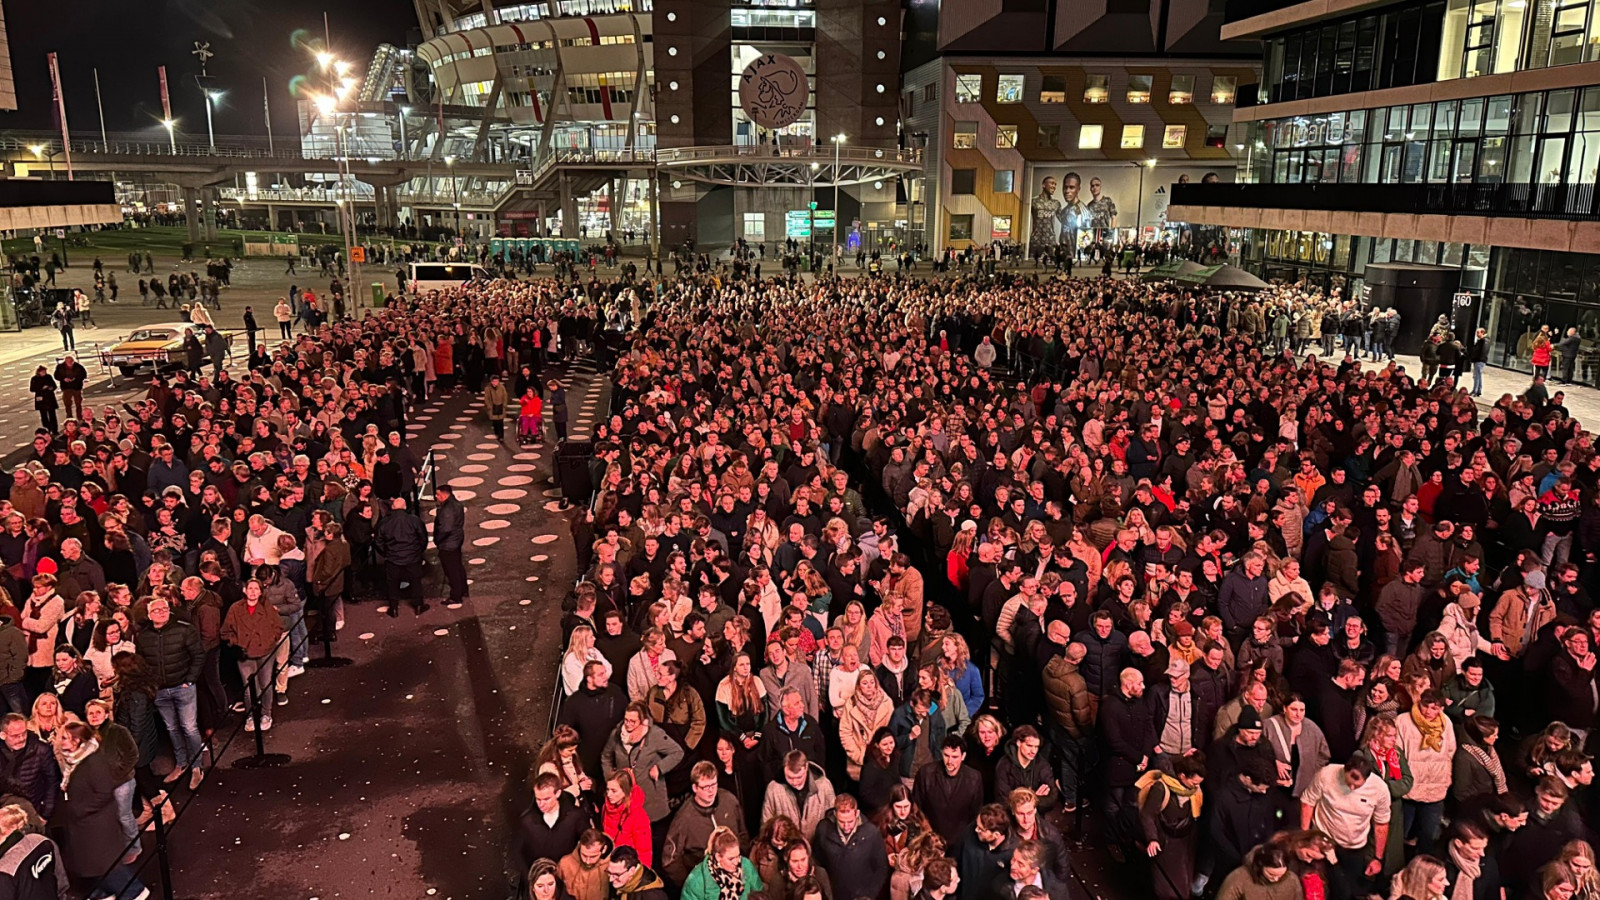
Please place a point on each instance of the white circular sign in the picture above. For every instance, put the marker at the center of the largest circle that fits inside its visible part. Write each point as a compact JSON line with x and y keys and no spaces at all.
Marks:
{"x":773,"y":91}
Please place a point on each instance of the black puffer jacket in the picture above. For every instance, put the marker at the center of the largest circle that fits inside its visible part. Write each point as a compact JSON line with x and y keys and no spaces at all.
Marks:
{"x":174,"y":653}
{"x":401,"y":538}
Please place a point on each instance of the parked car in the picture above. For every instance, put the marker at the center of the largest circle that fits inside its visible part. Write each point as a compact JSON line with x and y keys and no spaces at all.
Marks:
{"x":157,"y":346}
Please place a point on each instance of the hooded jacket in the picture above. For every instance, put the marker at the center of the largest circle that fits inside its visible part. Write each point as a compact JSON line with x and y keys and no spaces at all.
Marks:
{"x":628,"y":825}
{"x":806,"y":806}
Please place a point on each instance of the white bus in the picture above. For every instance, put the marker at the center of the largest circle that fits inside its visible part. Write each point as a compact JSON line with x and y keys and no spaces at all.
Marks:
{"x":443,"y":276}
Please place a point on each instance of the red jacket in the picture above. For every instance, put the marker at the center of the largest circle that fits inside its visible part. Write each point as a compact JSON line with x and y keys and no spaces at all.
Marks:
{"x":629,"y":826}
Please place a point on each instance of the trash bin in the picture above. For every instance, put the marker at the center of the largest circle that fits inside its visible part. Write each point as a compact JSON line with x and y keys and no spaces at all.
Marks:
{"x":377,"y":295}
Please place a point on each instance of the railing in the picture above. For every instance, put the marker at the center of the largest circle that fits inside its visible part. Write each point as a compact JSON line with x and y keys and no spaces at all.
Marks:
{"x":51,"y":150}
{"x":362,"y":192}
{"x":1578,"y":202}
{"x":820,"y":153}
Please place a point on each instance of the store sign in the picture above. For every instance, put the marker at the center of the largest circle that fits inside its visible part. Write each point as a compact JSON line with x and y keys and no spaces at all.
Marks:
{"x":1326,"y":131}
{"x":1464,"y":298}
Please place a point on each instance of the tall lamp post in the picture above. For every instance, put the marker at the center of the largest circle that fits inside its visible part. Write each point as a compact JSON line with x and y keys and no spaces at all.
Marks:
{"x":341,"y":88}
{"x":455,"y":191}
{"x":211,"y":136}
{"x":838,"y":142}
{"x":1138,"y":216}
{"x":811,"y":214}
{"x":172,"y":135}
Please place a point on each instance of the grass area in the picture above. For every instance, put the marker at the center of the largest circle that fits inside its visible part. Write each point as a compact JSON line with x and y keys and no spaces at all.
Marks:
{"x":117,"y":243}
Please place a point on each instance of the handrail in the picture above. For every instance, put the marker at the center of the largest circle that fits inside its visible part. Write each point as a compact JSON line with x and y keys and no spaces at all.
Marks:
{"x":819,"y":153}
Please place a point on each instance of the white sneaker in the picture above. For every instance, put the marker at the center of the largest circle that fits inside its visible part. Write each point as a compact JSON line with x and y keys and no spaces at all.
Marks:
{"x":250,"y":724}
{"x":292,"y":671}
{"x":339,"y":624}
{"x":266,"y":723}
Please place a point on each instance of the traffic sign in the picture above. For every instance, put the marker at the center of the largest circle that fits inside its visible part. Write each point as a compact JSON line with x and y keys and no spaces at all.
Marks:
{"x":61,"y":234}
{"x":358,"y":254}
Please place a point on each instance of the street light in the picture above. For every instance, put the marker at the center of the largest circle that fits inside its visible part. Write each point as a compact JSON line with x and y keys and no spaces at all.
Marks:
{"x":38,"y":153}
{"x":405,"y":149}
{"x":172,"y":137}
{"x":838,"y":142}
{"x":1138,"y":216}
{"x":811,"y":212}
{"x":455,"y":189}
{"x":211,"y":137}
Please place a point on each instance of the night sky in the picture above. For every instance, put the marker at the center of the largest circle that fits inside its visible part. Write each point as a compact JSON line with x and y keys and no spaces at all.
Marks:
{"x":128,"y":39}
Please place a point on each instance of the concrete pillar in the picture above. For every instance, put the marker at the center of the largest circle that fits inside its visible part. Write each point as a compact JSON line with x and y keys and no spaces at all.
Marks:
{"x":569,"y":208}
{"x":208,"y":212}
{"x":191,"y":200}
{"x":617,"y":187}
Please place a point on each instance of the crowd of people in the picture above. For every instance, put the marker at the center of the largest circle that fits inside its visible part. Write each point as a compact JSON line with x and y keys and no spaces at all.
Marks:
{"x":890,"y":588}
{"x":167,"y":564}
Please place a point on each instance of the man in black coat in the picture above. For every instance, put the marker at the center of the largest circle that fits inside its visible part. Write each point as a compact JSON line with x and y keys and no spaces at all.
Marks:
{"x":29,"y":761}
{"x":449,"y":534}
{"x":402,"y":539}
{"x":984,"y":854}
{"x":949,"y":794}
{"x":790,"y":729}
{"x":552,"y":825}
{"x":1027,"y":867}
{"x":851,"y":849}
{"x":1332,"y":704}
{"x":1242,"y":816}
{"x":1128,"y":731}
{"x":594,"y":711}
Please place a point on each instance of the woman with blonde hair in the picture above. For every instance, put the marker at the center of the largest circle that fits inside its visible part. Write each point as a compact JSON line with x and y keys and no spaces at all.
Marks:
{"x":1578,"y":857}
{"x":725,"y":873}
{"x":911,"y":863}
{"x":1423,"y":878}
{"x":955,"y":660}
{"x":580,"y":652}
{"x":957,"y":568}
{"x":866,"y":710}
{"x":854,"y":626}
{"x":844,"y":677}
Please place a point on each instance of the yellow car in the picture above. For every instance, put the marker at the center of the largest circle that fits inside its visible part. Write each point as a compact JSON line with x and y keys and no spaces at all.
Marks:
{"x":157,"y":346}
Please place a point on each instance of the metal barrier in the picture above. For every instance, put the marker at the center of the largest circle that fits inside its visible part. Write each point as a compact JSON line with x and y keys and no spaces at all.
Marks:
{"x":115,"y":877}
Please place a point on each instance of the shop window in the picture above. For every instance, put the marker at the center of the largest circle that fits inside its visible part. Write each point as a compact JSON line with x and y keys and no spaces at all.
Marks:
{"x":1053,"y":89}
{"x":964,"y":136}
{"x":1182,"y":90}
{"x":961,"y":228}
{"x":1005,"y":137}
{"x":1132,"y":137}
{"x":963,"y":181}
{"x":1139,"y":88}
{"x":1097,"y":89}
{"x":1090,"y":136}
{"x":1004,"y":180}
{"x":1172,"y":137}
{"x":1223,"y":89}
{"x":969,"y":88}
{"x":1008,"y":89}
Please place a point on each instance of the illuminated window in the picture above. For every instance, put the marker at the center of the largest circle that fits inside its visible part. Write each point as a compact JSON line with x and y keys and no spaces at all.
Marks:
{"x":1090,"y":136}
{"x":1008,"y":89}
{"x":1053,"y":89}
{"x":965,"y":136}
{"x":1000,"y":228}
{"x":1139,"y":88}
{"x":1132,"y":137}
{"x":969,"y":88}
{"x":1097,"y":89}
{"x":1005,"y":137}
{"x":1172,"y":137}
{"x":1182,"y":90}
{"x":1223,"y":88}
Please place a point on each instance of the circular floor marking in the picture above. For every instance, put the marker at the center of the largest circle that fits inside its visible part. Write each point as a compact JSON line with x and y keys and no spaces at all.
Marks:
{"x":494,"y":524}
{"x":529,"y":578}
{"x":458,"y":428}
{"x":525,"y":602}
{"x":422,"y":418}
{"x":522,"y":467}
{"x":466,"y":495}
{"x":539,"y":557}
{"x":514,"y":480}
{"x":509,"y":494}
{"x":487,"y":445}
{"x":463,"y":418}
{"x":502,"y":509}
{"x":475,"y":468}
{"x":486,"y":542}
{"x":465,"y":481}
{"x":441,"y":632}
{"x":526,"y":454}
{"x":544,"y":538}
{"x":440,"y":448}
{"x":366,"y":635}
{"x":452,"y":606}
{"x":476,"y":561}
{"x":553,"y":506}
{"x":451,"y":436}
{"x":480,"y":457}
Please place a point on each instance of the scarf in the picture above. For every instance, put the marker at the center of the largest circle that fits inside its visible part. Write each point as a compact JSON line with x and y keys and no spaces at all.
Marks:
{"x":1469,"y":872}
{"x":730,"y":885}
{"x":1387,"y":762}
{"x":1432,"y":732}
{"x":1490,"y":760}
{"x":70,"y":761}
{"x":1174,"y":788}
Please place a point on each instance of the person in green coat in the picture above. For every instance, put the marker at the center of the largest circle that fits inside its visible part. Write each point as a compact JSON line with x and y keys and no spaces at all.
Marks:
{"x":1380,"y":742}
{"x":724,"y":873}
